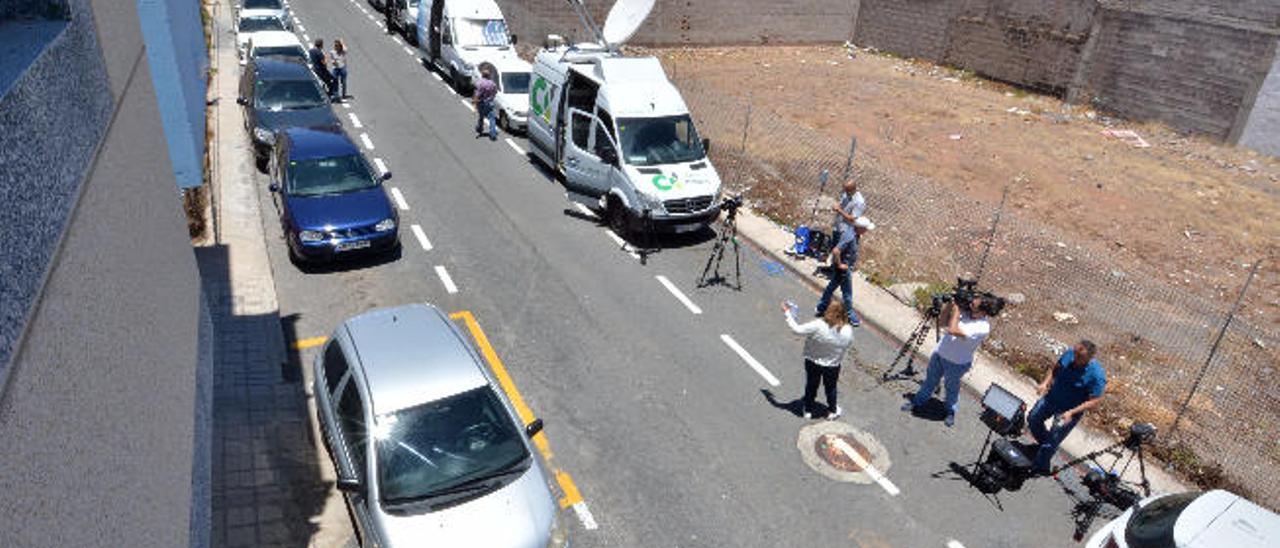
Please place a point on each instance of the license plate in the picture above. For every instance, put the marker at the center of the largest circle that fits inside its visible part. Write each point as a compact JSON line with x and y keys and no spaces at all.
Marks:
{"x":681,"y":229}
{"x":351,"y":246}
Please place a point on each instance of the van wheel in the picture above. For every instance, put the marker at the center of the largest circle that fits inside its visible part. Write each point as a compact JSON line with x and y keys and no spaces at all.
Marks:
{"x":617,"y":217}
{"x":454,"y":80}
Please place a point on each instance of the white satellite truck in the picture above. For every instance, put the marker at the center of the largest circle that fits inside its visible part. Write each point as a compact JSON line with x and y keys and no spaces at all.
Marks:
{"x":619,"y":132}
{"x":457,"y":35}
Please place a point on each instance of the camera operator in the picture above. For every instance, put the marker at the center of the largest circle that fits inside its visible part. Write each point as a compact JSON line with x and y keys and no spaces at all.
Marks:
{"x":961,"y":337}
{"x":1073,"y":386}
{"x":843,"y":256}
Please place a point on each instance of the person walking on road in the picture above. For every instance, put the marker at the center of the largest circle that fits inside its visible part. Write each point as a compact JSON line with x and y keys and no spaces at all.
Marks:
{"x":339,"y":57}
{"x":1073,"y":386}
{"x":828,"y":338}
{"x":964,"y":332}
{"x":844,"y":255}
{"x":483,"y":96}
{"x":320,"y":65}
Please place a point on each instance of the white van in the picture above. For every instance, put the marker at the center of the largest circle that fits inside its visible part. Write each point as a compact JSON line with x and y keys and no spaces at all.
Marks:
{"x":457,"y":35}
{"x":620,"y":133}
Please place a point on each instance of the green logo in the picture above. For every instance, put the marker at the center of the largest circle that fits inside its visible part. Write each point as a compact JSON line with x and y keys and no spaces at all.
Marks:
{"x":541,"y":99}
{"x":663,"y":182}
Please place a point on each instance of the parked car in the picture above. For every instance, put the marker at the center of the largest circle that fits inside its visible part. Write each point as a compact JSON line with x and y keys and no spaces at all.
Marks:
{"x":274,"y":43}
{"x":251,"y":22}
{"x":428,"y":449}
{"x":512,"y":76}
{"x":278,"y":8}
{"x":279,"y":93}
{"x":330,"y":201}
{"x":1213,"y":519}
{"x":405,"y":18}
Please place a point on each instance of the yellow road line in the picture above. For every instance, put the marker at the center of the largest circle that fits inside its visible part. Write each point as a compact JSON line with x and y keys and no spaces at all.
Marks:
{"x":504,"y":379}
{"x":309,"y":343}
{"x":571,"y":494}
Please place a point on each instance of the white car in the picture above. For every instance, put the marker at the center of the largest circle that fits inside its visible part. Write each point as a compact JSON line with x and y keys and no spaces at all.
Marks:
{"x":1213,"y":519}
{"x":278,"y":8}
{"x":274,"y":43}
{"x":252,"y":22}
{"x":513,"y":74}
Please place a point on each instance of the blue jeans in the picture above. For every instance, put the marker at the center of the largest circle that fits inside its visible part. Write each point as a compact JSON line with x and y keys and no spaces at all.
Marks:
{"x":841,"y":279}
{"x":340,"y":82}
{"x":950,"y":374}
{"x":1048,"y":440}
{"x":485,"y":111}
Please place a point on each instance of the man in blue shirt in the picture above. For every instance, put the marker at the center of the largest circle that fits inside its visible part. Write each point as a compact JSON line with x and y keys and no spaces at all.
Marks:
{"x":1073,"y":386}
{"x":843,"y":258}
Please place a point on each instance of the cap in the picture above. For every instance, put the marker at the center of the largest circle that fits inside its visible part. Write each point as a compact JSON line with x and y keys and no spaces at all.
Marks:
{"x":863,"y":222}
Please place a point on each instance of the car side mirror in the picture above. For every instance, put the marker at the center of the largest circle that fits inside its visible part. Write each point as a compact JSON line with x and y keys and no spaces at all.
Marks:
{"x":514,"y":39}
{"x":533,"y":428}
{"x":273,"y":187}
{"x":386,"y":176}
{"x":349,"y":485}
{"x":241,"y":101}
{"x":706,"y":145}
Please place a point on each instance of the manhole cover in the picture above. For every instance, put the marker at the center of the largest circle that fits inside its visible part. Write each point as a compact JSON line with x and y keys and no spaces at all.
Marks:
{"x":841,"y":452}
{"x":837,"y":454}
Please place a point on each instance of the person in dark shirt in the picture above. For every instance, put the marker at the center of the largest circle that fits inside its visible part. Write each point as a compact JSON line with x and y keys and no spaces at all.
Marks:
{"x":844,"y":255}
{"x":320,"y":65}
{"x":483,"y":96}
{"x":1074,"y":385}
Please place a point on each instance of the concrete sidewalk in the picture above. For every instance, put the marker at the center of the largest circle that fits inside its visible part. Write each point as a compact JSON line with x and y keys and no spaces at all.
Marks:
{"x":878,"y":308}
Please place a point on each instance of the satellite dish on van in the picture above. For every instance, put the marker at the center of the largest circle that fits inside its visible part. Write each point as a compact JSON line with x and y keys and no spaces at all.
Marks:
{"x":624,"y":20}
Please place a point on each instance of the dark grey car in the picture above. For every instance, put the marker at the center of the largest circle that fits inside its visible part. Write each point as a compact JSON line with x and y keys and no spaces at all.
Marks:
{"x":280,"y":93}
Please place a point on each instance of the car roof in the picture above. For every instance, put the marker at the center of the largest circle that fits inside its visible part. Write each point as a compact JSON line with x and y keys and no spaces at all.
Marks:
{"x":275,"y":38}
{"x":282,"y":68}
{"x":308,"y":143}
{"x":411,"y":355}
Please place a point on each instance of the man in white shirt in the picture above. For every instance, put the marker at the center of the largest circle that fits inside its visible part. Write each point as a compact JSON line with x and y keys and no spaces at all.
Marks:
{"x":961,"y":337}
{"x":852,"y":205}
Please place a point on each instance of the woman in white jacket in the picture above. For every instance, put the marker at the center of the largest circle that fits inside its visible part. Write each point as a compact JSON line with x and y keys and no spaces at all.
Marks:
{"x":828,"y":338}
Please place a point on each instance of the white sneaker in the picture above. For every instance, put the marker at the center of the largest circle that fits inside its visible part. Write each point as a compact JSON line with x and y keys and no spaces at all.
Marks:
{"x":908,"y":406}
{"x":808,"y":415}
{"x":835,"y":414}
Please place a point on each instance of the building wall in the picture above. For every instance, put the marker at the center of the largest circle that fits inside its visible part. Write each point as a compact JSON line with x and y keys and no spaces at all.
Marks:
{"x":1263,"y":124}
{"x":103,"y":330}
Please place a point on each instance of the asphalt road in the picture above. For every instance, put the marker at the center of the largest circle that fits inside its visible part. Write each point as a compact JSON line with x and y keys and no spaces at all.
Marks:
{"x":665,"y":429}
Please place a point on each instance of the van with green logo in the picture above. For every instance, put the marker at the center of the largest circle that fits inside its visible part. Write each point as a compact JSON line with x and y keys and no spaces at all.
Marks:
{"x":621,"y":135}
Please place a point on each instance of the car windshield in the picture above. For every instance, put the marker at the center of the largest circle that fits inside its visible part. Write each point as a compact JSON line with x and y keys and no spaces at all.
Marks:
{"x":288,"y":94}
{"x":656,"y":141}
{"x":261,"y":4}
{"x":281,"y":51}
{"x":1152,"y":525}
{"x":255,"y":24}
{"x":481,"y":32}
{"x":334,"y":175}
{"x":447,"y":446}
{"x":515,"y":82}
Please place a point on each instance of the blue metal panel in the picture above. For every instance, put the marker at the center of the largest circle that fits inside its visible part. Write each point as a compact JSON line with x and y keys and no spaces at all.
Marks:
{"x":176,"y":53}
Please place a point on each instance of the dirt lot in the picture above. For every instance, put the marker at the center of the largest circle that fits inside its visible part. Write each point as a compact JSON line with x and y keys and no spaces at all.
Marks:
{"x":1194,"y":211}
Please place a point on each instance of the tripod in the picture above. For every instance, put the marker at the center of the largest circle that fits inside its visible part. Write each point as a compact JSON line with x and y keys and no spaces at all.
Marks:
{"x":728,"y":233}
{"x":911,"y":347}
{"x":1109,"y":488}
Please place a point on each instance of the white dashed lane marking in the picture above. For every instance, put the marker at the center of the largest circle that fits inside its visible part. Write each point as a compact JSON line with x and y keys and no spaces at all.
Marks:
{"x":355,"y":122}
{"x":446,"y":280}
{"x":364,"y":138}
{"x":517,"y":148}
{"x":422,"y":237}
{"x":468,"y":104}
{"x":746,"y":357}
{"x":382,"y":166}
{"x":680,"y":296}
{"x":869,"y":470}
{"x":953,"y":543}
{"x":399,"y":198}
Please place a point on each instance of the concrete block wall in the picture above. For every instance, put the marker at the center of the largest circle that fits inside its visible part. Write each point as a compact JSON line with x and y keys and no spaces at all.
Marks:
{"x":1193,"y":75}
{"x":913,"y":28}
{"x":1035,"y":43}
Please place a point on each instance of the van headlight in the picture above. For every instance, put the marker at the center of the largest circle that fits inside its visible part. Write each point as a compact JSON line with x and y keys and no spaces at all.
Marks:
{"x":386,"y":225}
{"x":310,"y":236}
{"x":559,"y":537}
{"x":264,"y":135}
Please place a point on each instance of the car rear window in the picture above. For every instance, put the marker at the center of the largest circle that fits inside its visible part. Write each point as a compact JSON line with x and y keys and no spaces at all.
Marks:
{"x":262,"y":4}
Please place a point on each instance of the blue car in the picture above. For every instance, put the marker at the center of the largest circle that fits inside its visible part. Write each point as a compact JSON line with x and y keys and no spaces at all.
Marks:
{"x":331,"y":204}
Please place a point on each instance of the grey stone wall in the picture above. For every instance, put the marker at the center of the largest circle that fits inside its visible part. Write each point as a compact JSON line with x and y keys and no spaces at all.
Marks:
{"x":1262,"y":129}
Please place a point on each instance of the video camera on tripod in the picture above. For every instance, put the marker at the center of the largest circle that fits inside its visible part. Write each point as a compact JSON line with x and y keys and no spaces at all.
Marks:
{"x":963,"y":295}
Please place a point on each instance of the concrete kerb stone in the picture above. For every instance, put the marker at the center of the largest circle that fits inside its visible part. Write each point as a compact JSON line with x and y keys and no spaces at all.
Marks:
{"x":881,"y":310}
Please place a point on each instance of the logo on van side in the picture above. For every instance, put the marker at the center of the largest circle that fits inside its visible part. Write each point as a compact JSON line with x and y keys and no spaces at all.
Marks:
{"x":541,"y":95}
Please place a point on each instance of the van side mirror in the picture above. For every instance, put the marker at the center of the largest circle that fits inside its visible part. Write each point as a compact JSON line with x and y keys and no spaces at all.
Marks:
{"x":706,"y":145}
{"x":609,"y":156}
{"x":533,"y":428}
{"x":349,"y":485}
{"x":514,"y":39}
{"x":273,"y":187}
{"x":241,"y":101}
{"x":386,"y":176}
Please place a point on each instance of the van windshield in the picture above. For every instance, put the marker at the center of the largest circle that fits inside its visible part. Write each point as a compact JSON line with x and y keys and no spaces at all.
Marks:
{"x":481,"y":32}
{"x":657,"y":141}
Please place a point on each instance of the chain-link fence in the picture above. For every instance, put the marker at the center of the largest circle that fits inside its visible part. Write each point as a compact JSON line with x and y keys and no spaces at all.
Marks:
{"x":1153,"y":338}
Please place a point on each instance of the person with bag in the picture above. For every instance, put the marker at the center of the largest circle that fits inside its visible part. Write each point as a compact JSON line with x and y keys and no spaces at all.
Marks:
{"x":827,"y":340}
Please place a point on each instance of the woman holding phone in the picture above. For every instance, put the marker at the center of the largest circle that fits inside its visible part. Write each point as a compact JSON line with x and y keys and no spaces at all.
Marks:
{"x":827,"y":339}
